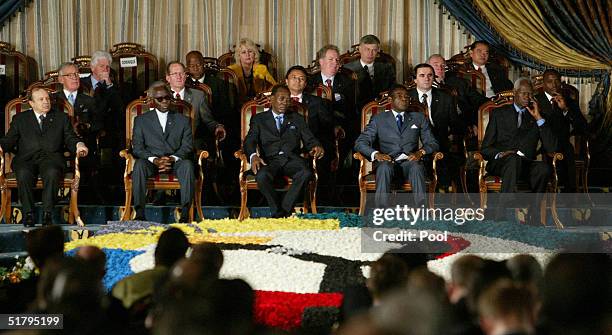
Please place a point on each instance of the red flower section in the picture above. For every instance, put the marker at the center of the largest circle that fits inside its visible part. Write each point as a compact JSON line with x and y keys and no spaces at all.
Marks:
{"x":456,"y":243}
{"x":284,"y":309}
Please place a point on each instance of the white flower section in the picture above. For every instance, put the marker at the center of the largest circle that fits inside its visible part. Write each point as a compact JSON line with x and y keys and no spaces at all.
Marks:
{"x":145,"y":261}
{"x":345,"y":243}
{"x":272,"y":272}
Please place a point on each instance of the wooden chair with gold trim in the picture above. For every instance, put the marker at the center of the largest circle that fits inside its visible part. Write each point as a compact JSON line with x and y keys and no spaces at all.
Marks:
{"x":8,"y":178}
{"x":15,"y":71}
{"x":246,"y":178}
{"x":134,"y":78}
{"x":367,"y":174}
{"x":487,"y":182}
{"x":161,"y":181}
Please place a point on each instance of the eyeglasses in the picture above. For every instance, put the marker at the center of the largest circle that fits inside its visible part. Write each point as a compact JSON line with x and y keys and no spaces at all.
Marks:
{"x":71,"y":75}
{"x":164,"y":98}
{"x":177,"y":74}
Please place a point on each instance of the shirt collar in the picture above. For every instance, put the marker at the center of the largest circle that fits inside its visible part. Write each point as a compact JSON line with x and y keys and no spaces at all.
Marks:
{"x":299,"y":96}
{"x":424,"y":92}
{"x":519,"y":109}
{"x":548,"y":96}
{"x":202,"y":79}
{"x":364,"y":64}
{"x":181,"y":93}
{"x":277,"y":114}
{"x":67,"y":93}
{"x":326,"y":77}
{"x":395,"y":114}
{"x":94,"y":81}
{"x":482,"y":67}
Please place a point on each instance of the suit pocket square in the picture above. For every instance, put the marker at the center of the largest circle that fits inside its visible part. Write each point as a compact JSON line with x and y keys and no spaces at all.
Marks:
{"x":414,"y":126}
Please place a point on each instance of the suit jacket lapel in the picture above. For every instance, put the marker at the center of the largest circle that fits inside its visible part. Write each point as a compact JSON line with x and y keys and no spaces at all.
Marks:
{"x":155,"y":120}
{"x":34,"y":121}
{"x":188,"y":95}
{"x":170,"y":122}
{"x":435,"y":101}
{"x":270,"y":122}
{"x":48,"y":121}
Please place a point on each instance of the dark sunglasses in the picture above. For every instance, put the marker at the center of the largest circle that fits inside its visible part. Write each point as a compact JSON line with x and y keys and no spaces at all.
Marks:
{"x":161,"y":99}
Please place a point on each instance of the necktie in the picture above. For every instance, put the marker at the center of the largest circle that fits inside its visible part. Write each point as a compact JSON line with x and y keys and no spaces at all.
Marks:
{"x":424,"y":100}
{"x":71,"y":98}
{"x":328,"y":83}
{"x":42,"y":119}
{"x":479,"y":69}
{"x":178,"y":96}
{"x":400,"y":121}
{"x":279,"y":122}
{"x":520,"y":118}
{"x":296,"y":99}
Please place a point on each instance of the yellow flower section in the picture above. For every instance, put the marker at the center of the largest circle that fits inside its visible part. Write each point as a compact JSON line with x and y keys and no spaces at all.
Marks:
{"x":143,"y":237}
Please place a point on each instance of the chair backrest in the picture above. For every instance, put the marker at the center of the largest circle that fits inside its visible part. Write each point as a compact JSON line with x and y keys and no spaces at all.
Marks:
{"x":566,"y":89}
{"x":502,"y":99}
{"x":322,"y":91}
{"x":265,"y":58}
{"x":136,"y":69}
{"x":462,"y":59}
{"x":252,"y":108}
{"x":202,"y":87}
{"x":20,"y":104}
{"x":14,"y":71}
{"x":354,"y":54}
{"x":143,"y":105}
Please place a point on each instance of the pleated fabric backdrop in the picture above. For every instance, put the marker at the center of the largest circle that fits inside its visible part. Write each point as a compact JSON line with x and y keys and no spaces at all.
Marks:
{"x":54,"y":31}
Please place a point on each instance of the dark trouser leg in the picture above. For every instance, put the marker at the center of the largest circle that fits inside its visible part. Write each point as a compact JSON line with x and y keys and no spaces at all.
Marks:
{"x":300,"y":173}
{"x":414,"y":171}
{"x":509,"y":169}
{"x":539,"y":173}
{"x":183,"y":169}
{"x":26,"y":177}
{"x":384,"y":177}
{"x":143,"y":169}
{"x":265,"y":183}
{"x":50,"y":172}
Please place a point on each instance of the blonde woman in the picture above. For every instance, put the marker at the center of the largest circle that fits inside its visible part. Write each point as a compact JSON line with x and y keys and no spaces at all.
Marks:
{"x":253,"y":77}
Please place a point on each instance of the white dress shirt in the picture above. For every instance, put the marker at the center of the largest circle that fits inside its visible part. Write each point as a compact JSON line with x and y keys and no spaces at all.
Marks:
{"x":163,"y":120}
{"x":420,"y":93}
{"x":489,"y":87}
{"x":370,"y":68}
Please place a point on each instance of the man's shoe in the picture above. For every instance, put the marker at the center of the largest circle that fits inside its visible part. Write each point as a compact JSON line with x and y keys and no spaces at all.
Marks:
{"x":47,"y":219}
{"x":28,"y":220}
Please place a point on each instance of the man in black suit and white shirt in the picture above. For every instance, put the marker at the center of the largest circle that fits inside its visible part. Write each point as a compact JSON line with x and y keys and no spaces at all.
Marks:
{"x":496,"y":78}
{"x":397,"y":133}
{"x":38,"y":137}
{"x":162,"y":142}
{"x":442,"y":112}
{"x":373,"y":76}
{"x":279,"y":134}
{"x":566,"y":119}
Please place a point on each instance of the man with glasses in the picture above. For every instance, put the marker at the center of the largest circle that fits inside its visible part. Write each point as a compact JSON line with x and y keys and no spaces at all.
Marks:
{"x":162,"y":142}
{"x":206,"y":125}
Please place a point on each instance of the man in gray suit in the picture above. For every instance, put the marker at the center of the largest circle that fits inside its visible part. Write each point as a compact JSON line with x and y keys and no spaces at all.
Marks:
{"x":162,"y":142}
{"x":373,"y":76}
{"x":206,"y":124}
{"x":398,"y":132}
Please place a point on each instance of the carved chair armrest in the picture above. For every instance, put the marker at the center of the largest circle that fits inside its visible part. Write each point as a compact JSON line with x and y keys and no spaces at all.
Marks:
{"x":1,"y":163}
{"x":202,"y":155}
{"x":245,"y":166}
{"x":436,"y":157}
{"x":129,"y":161}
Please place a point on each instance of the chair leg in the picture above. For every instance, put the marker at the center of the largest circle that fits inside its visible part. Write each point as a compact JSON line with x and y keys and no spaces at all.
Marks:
{"x":8,"y":211}
{"x":553,"y":211}
{"x":3,"y":206}
{"x":198,"y":202}
{"x":127,"y":211}
{"x":362,"y":201}
{"x":244,"y":211}
{"x":313,"y":198}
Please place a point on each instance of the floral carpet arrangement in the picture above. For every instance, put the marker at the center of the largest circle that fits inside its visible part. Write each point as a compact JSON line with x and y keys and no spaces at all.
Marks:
{"x":298,"y":263}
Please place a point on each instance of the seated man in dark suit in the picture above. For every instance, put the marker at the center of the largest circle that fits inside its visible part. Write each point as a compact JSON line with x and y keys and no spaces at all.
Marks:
{"x":373,"y":76}
{"x":162,"y":142}
{"x":39,"y":138}
{"x":442,"y":111}
{"x":511,"y":140}
{"x":346,"y":118}
{"x":279,"y":133}
{"x":397,"y":133}
{"x":566,"y":119}
{"x":320,"y":116}
{"x":496,"y":78}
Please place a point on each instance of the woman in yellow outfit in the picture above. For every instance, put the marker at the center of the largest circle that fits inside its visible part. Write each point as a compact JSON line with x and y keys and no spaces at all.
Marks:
{"x":253,"y":78}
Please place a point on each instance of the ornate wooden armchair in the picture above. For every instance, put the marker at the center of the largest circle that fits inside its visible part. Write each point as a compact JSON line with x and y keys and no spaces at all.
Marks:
{"x":492,"y":183}
{"x":265,"y":58}
{"x":136,"y":69}
{"x":246,"y":178}
{"x":367,"y":174}
{"x":162,"y":181}
{"x":8,"y":178}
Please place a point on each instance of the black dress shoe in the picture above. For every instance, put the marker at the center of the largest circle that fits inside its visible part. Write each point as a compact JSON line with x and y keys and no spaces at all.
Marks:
{"x":47,"y":219}
{"x":279,"y":214}
{"x":28,"y":220}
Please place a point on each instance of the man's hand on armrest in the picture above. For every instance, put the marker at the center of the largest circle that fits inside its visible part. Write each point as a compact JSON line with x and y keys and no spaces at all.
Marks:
{"x":378,"y":156}
{"x":256,"y":163}
{"x":417,"y":155}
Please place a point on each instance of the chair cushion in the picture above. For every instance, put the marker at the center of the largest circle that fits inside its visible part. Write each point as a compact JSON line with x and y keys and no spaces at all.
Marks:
{"x":492,"y":180}
{"x":279,"y":182}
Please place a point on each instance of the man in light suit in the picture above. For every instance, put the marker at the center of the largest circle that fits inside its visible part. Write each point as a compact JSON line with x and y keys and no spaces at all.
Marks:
{"x":279,"y":133}
{"x":38,"y":138}
{"x":162,"y":142}
{"x":373,"y":76}
{"x":398,"y":133}
{"x":206,"y":124}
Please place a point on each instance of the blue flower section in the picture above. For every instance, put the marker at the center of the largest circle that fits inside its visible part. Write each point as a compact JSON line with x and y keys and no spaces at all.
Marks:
{"x":117,"y":264}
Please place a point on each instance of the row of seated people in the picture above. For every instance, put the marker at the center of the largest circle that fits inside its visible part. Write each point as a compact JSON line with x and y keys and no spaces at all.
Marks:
{"x":343,"y":115}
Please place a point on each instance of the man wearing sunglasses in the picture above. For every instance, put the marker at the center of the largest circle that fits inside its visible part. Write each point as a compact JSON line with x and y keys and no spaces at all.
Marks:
{"x":162,"y":142}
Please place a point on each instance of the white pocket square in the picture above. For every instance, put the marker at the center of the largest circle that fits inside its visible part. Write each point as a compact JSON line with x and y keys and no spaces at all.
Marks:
{"x":414,"y":126}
